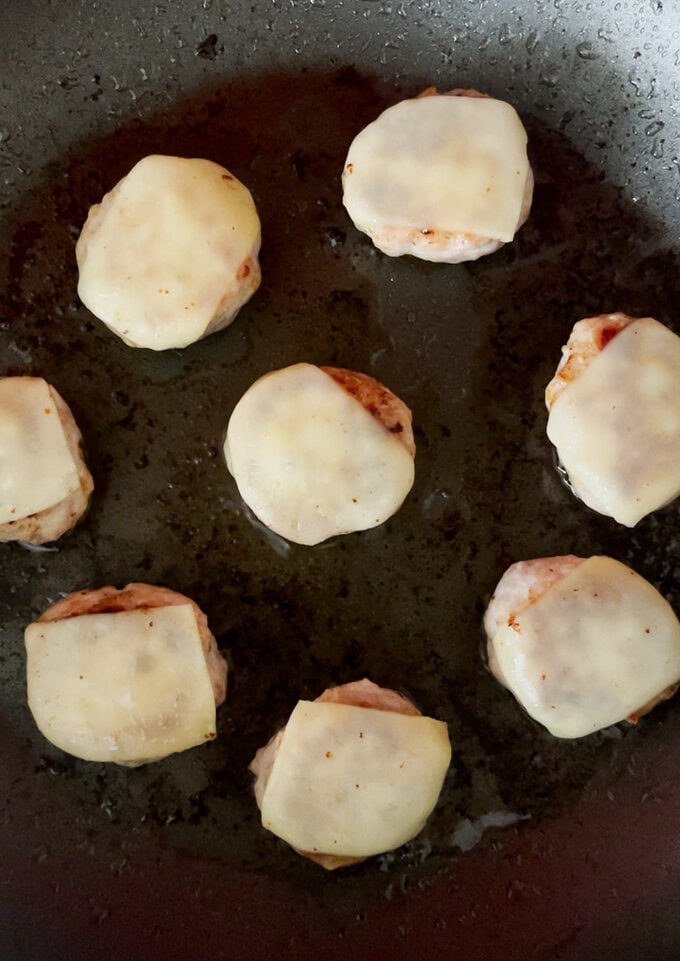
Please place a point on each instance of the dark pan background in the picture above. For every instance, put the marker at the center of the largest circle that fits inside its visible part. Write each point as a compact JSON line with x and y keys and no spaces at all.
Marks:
{"x":539,"y":849}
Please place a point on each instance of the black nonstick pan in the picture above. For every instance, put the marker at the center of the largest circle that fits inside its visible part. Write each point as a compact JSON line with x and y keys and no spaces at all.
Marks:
{"x":539,"y":848}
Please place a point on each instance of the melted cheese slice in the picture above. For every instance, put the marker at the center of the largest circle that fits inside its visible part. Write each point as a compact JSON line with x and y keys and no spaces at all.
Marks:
{"x":310,"y":461}
{"x":597,"y":646}
{"x":158,"y":258}
{"x":616,"y":427}
{"x":129,"y":686}
{"x":448,"y":163}
{"x":37,"y":469}
{"x":354,"y":781}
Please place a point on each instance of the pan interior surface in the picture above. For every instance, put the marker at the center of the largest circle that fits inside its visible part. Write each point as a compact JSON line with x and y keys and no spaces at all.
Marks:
{"x":102,"y":862}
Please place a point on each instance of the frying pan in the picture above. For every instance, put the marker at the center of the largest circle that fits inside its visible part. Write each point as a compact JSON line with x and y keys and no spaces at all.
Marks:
{"x":538,"y":848}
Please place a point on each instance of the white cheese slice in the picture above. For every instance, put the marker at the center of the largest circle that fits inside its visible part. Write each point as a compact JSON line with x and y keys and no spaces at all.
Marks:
{"x":596,"y":647}
{"x":439,"y":163}
{"x":616,"y":427}
{"x":354,"y":781}
{"x":158,"y":258}
{"x":37,"y":469}
{"x":128,"y":686}
{"x":310,"y":461}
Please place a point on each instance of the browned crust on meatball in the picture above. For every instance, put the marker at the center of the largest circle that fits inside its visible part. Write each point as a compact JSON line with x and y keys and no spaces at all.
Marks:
{"x":50,"y":524}
{"x":112,"y":600}
{"x":379,"y":401}
{"x":456,"y":92}
{"x":646,"y":708}
{"x":249,"y":268}
{"x":587,"y":339}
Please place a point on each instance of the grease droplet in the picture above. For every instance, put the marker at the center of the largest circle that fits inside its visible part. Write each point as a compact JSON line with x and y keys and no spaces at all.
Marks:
{"x":586,"y":52}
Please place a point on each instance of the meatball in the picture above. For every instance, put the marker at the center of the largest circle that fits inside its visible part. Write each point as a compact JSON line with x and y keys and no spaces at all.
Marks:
{"x":582,"y":643}
{"x":320,"y":451}
{"x":444,"y":177}
{"x":614,"y":415}
{"x":127,"y":675}
{"x":354,"y":773}
{"x":45,"y":486}
{"x":170,"y":255}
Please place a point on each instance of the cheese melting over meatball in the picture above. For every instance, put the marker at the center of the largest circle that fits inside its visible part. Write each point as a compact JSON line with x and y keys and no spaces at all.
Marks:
{"x":582,"y":643}
{"x":318,"y":452}
{"x":443,"y":177}
{"x":615,"y":415}
{"x":343,"y":782}
{"x":124,"y":681}
{"x":44,"y":483}
{"x":170,"y":254}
